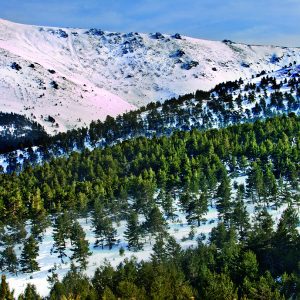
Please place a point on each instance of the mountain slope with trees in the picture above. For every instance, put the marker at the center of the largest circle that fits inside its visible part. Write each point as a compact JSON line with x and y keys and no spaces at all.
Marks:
{"x":265,"y":95}
{"x":138,"y":181}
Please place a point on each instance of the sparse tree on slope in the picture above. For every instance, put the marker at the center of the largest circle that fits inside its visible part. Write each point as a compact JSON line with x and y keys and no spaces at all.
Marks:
{"x":28,"y":256}
{"x":133,"y":233}
{"x":80,"y":245}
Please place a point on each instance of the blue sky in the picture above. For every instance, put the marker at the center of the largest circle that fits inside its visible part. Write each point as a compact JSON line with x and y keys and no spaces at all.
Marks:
{"x":249,"y":21}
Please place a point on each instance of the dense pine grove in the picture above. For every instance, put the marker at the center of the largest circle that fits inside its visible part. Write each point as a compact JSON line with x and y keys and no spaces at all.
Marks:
{"x":187,"y":160}
{"x":240,"y":260}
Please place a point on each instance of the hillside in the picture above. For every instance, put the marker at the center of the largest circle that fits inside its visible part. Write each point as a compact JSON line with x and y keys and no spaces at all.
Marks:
{"x":75,"y":76}
{"x":233,"y":102}
{"x":225,"y":200}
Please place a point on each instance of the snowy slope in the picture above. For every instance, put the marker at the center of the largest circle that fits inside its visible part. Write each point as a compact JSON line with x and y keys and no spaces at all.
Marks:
{"x":101,"y":73}
{"x":44,"y":61}
{"x":184,"y":115}
{"x":179,"y":228}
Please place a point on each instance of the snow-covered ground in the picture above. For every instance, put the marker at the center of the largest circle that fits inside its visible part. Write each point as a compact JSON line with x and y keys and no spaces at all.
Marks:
{"x":100,"y":73}
{"x":179,"y":229}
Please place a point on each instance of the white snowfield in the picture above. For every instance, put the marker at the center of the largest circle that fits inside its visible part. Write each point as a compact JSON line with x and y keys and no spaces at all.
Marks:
{"x":80,"y":75}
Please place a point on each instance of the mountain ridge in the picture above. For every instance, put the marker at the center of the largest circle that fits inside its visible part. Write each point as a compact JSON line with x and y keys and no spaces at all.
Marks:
{"x":76,"y":76}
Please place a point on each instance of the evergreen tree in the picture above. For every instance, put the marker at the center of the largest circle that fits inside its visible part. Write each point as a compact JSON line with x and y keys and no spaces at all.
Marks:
{"x":286,"y":241}
{"x":28,"y":256}
{"x":220,"y":236}
{"x":186,"y":197}
{"x":110,"y":236}
{"x":173,"y":250}
{"x":159,"y":254}
{"x":36,"y":202}
{"x":223,"y":201}
{"x":80,"y":245}
{"x":155,"y":222}
{"x":240,"y":216}
{"x":197,"y":208}
{"x":108,"y":294}
{"x":104,"y":278}
{"x":14,"y":233}
{"x":219,"y":287}
{"x":133,"y":233}
{"x":61,"y":233}
{"x":255,"y":182}
{"x":287,"y":233}
{"x":168,"y":206}
{"x":271,"y":190}
{"x":260,"y":238}
{"x":8,"y":260}
{"x":5,"y":293}
{"x":129,"y":290}
{"x":30,"y":293}
{"x":102,"y":226}
{"x":39,"y":225}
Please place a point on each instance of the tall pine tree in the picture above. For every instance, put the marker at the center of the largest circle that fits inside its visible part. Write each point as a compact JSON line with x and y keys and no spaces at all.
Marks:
{"x":133,"y":232}
{"x":28,"y":256}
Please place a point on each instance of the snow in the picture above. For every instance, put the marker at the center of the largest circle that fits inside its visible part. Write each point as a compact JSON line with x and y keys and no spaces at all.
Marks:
{"x":100,"y":74}
{"x":92,"y":75}
{"x":178,"y":228}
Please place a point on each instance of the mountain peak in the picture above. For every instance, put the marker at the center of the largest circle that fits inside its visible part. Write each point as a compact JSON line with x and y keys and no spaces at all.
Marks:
{"x":80,"y":75}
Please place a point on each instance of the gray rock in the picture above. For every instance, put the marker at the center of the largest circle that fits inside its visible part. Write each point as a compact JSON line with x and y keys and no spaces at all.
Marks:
{"x":189,"y":65}
{"x":177,"y":36}
{"x":95,"y":31}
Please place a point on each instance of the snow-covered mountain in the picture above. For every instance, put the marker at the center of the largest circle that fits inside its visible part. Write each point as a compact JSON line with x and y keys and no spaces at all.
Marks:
{"x":65,"y":78}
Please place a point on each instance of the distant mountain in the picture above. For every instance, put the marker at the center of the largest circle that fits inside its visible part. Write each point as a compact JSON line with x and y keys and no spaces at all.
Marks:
{"x":66,"y":78}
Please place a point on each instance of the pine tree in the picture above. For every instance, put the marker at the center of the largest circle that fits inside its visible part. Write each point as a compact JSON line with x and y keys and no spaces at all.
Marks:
{"x":110,"y":236}
{"x":270,"y":184}
{"x":286,"y":242}
{"x":240,"y":216}
{"x":40,"y":223}
{"x":173,"y":249}
{"x":102,"y":226}
{"x":28,"y":256}
{"x":8,"y":260}
{"x":224,"y":196}
{"x":14,"y":234}
{"x":133,"y":233}
{"x":128,"y":290}
{"x":221,"y":236}
{"x":80,"y":245}
{"x":220,"y":287}
{"x":108,"y":294}
{"x":287,"y":233}
{"x":159,"y":254}
{"x":36,"y":202}
{"x":197,"y":208}
{"x":155,"y":222}
{"x":168,"y":206}
{"x":185,"y":199}
{"x":5,"y":293}
{"x":30,"y":293}
{"x":255,"y":182}
{"x":261,"y":236}
{"x":61,"y":232}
